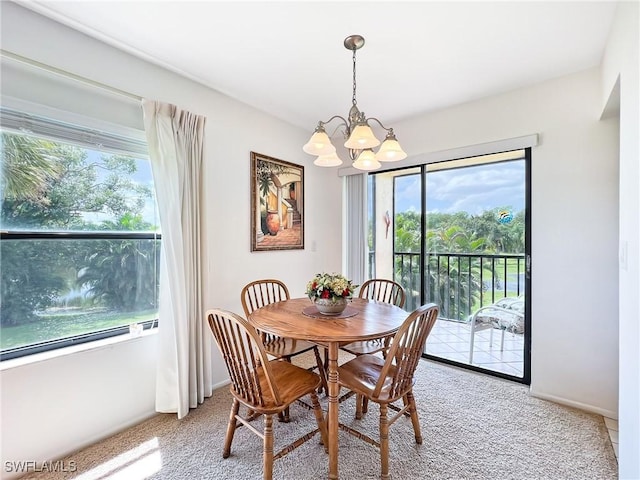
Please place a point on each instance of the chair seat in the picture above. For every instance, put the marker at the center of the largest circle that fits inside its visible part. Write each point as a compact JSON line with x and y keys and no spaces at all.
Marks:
{"x":365,"y":346}
{"x":294,"y":382}
{"x":385,"y":380}
{"x":361,"y":374}
{"x":265,"y":387}
{"x":287,"y":347}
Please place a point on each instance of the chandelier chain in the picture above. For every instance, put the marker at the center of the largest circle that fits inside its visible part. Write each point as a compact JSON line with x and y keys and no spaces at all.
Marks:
{"x":353,"y":99}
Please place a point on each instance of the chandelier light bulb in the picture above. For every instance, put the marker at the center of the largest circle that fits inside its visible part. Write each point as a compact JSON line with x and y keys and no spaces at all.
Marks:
{"x":390,"y":151}
{"x":362,"y":137}
{"x":319,"y":143}
{"x":366,"y":161}
{"x":330,"y":160}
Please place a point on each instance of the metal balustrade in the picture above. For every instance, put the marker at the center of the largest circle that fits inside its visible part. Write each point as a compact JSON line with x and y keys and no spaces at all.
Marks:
{"x":459,"y":283}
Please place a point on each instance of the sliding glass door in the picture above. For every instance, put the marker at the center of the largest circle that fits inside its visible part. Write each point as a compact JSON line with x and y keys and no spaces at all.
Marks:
{"x":455,"y":233}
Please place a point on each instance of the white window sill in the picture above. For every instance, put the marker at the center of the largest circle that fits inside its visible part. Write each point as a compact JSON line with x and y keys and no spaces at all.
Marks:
{"x":73,"y":349}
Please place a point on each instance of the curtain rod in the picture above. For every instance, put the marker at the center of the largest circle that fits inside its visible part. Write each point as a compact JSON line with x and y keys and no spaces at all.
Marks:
{"x":66,"y":74}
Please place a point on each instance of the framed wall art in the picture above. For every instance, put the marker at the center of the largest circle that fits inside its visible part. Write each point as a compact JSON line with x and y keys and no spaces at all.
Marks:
{"x":277,"y":204}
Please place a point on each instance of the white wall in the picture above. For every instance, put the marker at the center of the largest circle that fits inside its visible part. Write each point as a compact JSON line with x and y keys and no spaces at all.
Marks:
{"x":574,"y":225}
{"x":622,"y":63}
{"x":53,"y":407}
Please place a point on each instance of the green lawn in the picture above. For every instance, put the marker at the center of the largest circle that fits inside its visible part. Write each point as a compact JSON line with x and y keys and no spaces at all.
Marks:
{"x":54,"y":326}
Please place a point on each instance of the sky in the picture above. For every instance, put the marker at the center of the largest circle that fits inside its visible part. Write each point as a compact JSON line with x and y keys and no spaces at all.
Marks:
{"x":471,"y":189}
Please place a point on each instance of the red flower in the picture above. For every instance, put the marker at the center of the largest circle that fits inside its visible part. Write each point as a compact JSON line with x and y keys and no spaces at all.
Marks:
{"x":345,"y":293}
{"x":314,"y":286}
{"x":324,"y":294}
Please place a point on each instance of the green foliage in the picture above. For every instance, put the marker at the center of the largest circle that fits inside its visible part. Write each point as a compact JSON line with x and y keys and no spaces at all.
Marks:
{"x":121,"y":274}
{"x":28,"y":166}
{"x":453,"y":239}
{"x":128,"y":222}
{"x":407,"y":232}
{"x":265,"y":171}
{"x":25,"y":289}
{"x":66,"y":188}
{"x":451,"y":282}
{"x":460,"y":232}
{"x":53,"y":186}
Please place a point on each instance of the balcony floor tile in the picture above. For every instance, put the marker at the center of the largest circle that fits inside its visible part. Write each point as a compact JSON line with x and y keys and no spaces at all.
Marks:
{"x":451,"y":340}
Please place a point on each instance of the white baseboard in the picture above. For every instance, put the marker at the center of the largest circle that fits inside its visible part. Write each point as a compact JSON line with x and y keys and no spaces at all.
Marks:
{"x":215,"y":386}
{"x":572,"y":403}
{"x":112,"y":431}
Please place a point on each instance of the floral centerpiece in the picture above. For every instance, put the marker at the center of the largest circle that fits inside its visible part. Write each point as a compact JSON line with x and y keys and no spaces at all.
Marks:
{"x":330,"y":292}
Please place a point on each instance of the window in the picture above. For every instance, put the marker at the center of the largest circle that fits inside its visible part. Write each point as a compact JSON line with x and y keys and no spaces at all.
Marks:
{"x":80,"y":241}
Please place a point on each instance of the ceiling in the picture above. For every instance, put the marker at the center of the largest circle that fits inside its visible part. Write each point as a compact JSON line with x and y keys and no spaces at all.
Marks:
{"x":288,"y":58}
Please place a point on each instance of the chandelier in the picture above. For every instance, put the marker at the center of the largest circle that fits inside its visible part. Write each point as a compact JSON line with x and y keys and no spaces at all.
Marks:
{"x":360,"y":140}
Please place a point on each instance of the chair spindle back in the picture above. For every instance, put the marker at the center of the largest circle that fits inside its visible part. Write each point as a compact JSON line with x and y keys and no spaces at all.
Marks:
{"x":383,"y":290}
{"x":244,"y":356}
{"x":260,"y":293}
{"x":406,"y":350}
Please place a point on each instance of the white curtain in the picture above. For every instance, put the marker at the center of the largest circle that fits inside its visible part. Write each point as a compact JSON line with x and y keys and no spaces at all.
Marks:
{"x":355,"y":241}
{"x":176,"y":146}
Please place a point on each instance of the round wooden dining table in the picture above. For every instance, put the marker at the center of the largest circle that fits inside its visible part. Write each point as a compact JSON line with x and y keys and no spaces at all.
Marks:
{"x":362,"y":320}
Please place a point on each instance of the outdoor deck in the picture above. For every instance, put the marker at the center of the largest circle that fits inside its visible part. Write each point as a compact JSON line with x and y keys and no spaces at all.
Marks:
{"x":450,"y":340}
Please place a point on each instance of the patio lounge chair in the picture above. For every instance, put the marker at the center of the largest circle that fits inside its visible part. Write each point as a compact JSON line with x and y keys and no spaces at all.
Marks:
{"x":507,"y":315}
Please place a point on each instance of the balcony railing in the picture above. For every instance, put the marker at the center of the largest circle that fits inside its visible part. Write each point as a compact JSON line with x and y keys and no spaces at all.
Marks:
{"x":459,"y":283}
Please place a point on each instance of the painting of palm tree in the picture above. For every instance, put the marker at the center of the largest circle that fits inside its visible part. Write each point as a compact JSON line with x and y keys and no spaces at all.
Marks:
{"x":277,"y":204}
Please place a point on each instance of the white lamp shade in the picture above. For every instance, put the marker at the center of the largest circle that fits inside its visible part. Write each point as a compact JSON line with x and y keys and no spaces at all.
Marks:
{"x":390,"y":151}
{"x":319,"y":144}
{"x":366,"y":161}
{"x":362,"y":137}
{"x":330,"y":160}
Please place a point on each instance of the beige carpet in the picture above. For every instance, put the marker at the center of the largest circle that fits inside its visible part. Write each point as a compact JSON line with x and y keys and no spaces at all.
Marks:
{"x":474,"y":427}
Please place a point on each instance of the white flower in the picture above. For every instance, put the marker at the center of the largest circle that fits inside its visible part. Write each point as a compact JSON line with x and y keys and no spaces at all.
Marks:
{"x":324,"y":285}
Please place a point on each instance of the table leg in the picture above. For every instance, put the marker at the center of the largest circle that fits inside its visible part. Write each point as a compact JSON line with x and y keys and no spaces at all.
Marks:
{"x":332,"y":416}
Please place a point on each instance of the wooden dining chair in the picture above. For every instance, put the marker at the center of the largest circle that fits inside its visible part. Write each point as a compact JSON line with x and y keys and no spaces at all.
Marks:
{"x":380,"y":290}
{"x":263,"y":292}
{"x":387,"y":380}
{"x":264,"y":387}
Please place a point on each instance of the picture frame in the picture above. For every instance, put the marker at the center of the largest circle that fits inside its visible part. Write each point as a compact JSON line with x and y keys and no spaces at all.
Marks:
{"x":277,"y":204}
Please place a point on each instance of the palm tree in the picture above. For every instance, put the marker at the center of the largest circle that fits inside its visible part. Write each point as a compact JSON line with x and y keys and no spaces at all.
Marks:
{"x":122,"y":274}
{"x":266,"y":172}
{"x":28,"y":167}
{"x":453,"y":281}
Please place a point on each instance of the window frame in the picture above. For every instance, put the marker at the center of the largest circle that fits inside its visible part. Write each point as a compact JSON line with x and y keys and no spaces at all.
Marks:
{"x":22,"y":123}
{"x":462,"y":162}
